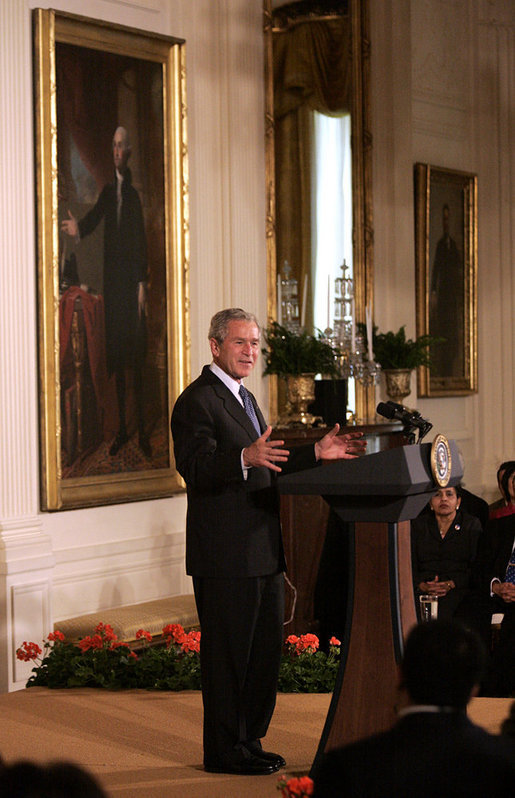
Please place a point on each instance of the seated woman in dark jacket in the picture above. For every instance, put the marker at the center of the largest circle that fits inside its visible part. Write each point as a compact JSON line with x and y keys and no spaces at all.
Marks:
{"x":443,"y":549}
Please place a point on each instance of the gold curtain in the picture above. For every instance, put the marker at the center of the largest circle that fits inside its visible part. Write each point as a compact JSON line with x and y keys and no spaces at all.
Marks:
{"x":311,"y":73}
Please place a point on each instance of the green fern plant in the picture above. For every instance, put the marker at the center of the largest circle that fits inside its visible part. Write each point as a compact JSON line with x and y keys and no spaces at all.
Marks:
{"x":291,"y":354}
{"x":395,"y":351}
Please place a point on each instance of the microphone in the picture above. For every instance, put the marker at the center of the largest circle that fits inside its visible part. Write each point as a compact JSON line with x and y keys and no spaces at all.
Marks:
{"x":411,"y":419}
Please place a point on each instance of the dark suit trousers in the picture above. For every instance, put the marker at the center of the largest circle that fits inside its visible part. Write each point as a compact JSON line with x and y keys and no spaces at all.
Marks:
{"x":241,"y":622}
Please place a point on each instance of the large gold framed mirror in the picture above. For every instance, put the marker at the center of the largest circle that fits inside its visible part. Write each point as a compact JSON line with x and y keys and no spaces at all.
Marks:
{"x":301,"y":77}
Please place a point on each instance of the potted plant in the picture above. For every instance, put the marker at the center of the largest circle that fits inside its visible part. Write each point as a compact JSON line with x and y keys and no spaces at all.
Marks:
{"x":398,"y":356}
{"x":297,"y":357}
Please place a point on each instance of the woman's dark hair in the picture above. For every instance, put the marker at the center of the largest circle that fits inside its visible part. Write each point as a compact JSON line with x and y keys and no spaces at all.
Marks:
{"x":508,"y":473}
{"x":457,"y":488}
{"x":504,"y":466}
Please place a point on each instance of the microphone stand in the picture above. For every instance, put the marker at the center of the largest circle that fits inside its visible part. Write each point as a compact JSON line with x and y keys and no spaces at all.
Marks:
{"x":409,"y":431}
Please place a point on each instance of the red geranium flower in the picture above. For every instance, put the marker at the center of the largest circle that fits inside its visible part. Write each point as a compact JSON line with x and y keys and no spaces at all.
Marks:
{"x":56,"y":636}
{"x":334,"y":641}
{"x":308,"y":643}
{"x":296,"y":787}
{"x":28,"y":651}
{"x":176,"y":631}
{"x":191,"y":642}
{"x":106,"y":631}
{"x":118,"y":644}
{"x":142,"y":633}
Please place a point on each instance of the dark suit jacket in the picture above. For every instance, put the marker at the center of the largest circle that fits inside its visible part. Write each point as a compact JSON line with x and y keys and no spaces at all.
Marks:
{"x":232,"y":525}
{"x":125,"y":265}
{"x":423,"y":754}
{"x":495,"y":551}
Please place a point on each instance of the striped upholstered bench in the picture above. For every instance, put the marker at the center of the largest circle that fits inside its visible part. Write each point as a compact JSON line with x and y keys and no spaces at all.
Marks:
{"x":151,"y":616}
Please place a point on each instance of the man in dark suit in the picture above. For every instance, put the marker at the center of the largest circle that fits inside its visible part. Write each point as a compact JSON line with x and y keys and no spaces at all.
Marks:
{"x":497,"y":587}
{"x":446,"y":304}
{"x":433,"y":749}
{"x":234,"y":547}
{"x":125,"y":287}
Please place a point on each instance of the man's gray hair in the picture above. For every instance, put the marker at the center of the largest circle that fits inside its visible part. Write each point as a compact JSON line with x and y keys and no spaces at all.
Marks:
{"x":219,"y":326}
{"x":124,"y":133}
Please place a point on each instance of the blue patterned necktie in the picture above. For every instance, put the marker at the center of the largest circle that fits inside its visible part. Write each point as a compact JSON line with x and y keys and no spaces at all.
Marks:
{"x":249,"y":408}
{"x":510,"y":570}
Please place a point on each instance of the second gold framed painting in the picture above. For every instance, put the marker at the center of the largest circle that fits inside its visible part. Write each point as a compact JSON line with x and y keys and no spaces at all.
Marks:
{"x":446,"y":278}
{"x":112,"y":217}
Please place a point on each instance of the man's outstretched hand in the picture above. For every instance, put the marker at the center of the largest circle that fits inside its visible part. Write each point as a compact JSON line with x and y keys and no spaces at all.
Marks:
{"x":265,"y":453}
{"x":337,"y":447}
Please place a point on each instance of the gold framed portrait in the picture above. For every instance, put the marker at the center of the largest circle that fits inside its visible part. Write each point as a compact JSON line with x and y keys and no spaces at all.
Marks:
{"x":446,"y":278}
{"x":112,"y":257}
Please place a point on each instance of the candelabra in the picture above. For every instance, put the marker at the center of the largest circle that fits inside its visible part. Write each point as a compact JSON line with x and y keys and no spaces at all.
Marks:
{"x":355,"y":359}
{"x":288,"y":300}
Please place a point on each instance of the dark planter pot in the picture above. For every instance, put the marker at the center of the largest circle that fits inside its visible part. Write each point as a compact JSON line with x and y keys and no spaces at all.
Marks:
{"x":330,"y":401}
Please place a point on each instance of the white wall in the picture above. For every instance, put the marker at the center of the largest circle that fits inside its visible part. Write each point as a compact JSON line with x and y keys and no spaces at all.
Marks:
{"x":55,"y":565}
{"x":443,"y":94}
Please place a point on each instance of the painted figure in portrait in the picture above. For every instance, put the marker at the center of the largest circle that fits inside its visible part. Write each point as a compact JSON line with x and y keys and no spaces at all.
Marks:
{"x":446,"y":297}
{"x":112,"y":263}
{"x":125,"y":283}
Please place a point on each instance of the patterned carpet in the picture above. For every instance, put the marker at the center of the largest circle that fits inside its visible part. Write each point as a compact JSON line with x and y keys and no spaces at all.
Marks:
{"x":143,"y":744}
{"x":129,"y":458}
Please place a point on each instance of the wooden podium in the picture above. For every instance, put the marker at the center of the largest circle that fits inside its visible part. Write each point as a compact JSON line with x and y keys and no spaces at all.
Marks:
{"x":310,"y":545}
{"x":377,"y":494}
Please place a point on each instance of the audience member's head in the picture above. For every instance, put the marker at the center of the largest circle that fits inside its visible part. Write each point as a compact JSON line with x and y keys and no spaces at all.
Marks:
{"x":500,"y":473}
{"x":442,"y":664}
{"x":508,"y":483}
{"x":25,"y":779}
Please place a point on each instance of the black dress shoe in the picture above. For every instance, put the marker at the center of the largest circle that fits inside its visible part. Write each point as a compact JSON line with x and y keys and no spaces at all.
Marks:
{"x":256,"y":750}
{"x":268,"y":756}
{"x":246,"y":766}
{"x":120,"y":440}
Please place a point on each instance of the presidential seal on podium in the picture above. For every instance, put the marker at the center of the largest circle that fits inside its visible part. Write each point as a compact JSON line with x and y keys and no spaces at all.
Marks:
{"x":441,"y":461}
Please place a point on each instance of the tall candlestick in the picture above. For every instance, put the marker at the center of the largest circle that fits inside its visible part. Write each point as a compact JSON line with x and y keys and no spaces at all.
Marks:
{"x":304,"y":300}
{"x":353,"y":328}
{"x":368,"y":315}
{"x":328,"y":301}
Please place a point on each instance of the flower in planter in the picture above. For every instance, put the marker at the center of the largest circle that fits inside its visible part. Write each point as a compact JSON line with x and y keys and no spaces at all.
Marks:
{"x":28,"y":651}
{"x":296,"y":787}
{"x":305,"y":669}
{"x":142,"y":634}
{"x":187,"y":641}
{"x":101,"y":660}
{"x":308,"y":643}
